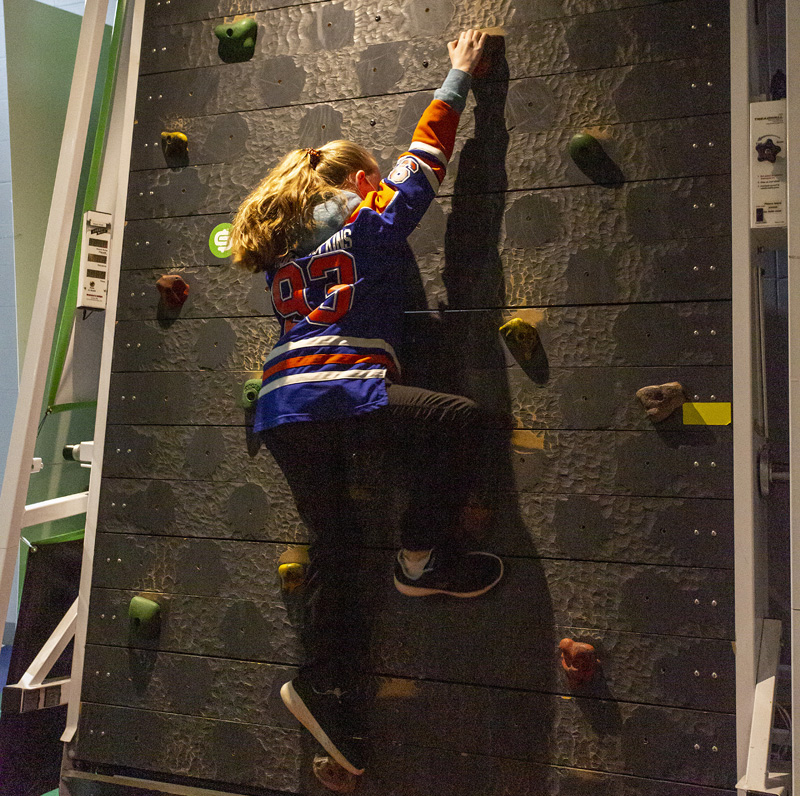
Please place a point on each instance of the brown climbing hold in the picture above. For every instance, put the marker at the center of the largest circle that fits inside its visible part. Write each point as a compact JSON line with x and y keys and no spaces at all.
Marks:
{"x":333,"y":776}
{"x":660,"y":401}
{"x":174,"y":291}
{"x":292,"y":568}
{"x":579,"y":661}
{"x":521,"y":338}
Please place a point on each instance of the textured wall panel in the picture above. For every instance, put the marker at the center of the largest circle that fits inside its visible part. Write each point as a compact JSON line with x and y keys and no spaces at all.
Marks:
{"x":587,"y":527}
{"x":616,"y":38}
{"x":207,"y":509}
{"x":249,"y":144}
{"x":571,"y":398}
{"x":500,"y":722}
{"x":629,"y":597}
{"x":596,"y":266}
{"x":640,"y":335}
{"x":658,"y":90}
{"x":666,"y":464}
{"x":173,"y":12}
{"x":511,"y":650}
{"x":227,"y":689}
{"x":163,"y":742}
{"x":661,"y":670}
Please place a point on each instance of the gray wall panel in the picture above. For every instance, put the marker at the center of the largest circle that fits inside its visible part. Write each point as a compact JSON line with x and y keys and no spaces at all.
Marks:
{"x":222,"y":688}
{"x":629,"y":597}
{"x":615,"y":38}
{"x":664,"y":464}
{"x":588,"y":527}
{"x":572,"y":398}
{"x":593,"y":269}
{"x":635,"y":335}
{"x":493,"y":727}
{"x":653,"y":669}
{"x":252,"y":143}
{"x":663,"y":89}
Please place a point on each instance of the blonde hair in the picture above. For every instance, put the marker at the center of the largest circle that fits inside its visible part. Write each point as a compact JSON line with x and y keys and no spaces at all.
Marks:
{"x":280,"y":211}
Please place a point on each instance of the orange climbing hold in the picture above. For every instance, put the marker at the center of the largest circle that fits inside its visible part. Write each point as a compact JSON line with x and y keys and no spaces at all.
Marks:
{"x":579,"y":661}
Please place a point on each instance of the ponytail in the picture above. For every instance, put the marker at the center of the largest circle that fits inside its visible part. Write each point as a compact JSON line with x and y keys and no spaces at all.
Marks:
{"x":280,"y":211}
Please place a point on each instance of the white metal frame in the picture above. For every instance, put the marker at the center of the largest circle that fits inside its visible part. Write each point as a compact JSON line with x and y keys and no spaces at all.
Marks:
{"x":112,"y":195}
{"x":749,"y":560}
{"x":757,"y":777}
{"x":48,"y":293}
{"x":793,"y":180}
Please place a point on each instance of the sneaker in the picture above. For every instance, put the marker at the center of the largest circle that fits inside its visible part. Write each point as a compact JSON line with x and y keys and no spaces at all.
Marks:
{"x":326,"y":718}
{"x":454,"y":574}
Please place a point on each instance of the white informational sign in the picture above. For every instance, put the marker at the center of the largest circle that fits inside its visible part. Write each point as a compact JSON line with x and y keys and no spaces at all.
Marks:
{"x":93,"y":283}
{"x":768,"y":164}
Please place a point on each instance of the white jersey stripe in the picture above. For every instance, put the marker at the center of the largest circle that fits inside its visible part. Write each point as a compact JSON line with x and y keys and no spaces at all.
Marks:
{"x":332,"y":340}
{"x":325,"y":375}
{"x":429,"y":150}
{"x":428,"y":172}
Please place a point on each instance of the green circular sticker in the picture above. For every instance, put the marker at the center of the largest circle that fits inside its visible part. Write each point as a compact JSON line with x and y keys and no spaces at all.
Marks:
{"x":219,"y":241}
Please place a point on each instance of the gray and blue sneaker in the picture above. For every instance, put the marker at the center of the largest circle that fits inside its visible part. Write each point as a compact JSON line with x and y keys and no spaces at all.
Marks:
{"x":329,"y":719}
{"x":451,"y":573}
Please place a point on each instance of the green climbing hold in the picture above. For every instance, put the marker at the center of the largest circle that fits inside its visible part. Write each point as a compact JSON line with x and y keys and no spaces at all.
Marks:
{"x":590,"y":157}
{"x":237,"y":40}
{"x":144,"y":612}
{"x":250,"y":392}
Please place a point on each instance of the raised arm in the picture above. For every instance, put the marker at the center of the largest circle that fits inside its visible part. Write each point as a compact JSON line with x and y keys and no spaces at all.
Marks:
{"x":403,"y":197}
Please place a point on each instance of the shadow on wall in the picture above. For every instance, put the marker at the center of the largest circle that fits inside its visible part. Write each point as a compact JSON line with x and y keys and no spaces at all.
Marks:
{"x":462,"y":353}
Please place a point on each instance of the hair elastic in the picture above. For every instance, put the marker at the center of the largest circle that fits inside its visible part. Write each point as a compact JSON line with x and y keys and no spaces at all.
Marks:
{"x":314,"y":157}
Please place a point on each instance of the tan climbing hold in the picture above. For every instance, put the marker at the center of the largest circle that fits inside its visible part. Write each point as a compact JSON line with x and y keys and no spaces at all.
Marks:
{"x":333,"y":776}
{"x":660,"y":401}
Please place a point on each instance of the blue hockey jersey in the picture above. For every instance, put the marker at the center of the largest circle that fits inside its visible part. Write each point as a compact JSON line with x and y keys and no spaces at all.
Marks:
{"x":340,"y":307}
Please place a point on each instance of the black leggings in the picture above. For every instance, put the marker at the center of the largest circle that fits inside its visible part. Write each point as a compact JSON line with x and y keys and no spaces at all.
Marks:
{"x":427,"y":430}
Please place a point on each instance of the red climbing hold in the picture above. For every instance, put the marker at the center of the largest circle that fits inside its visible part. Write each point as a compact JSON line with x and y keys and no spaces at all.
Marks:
{"x":579,"y":661}
{"x":174,"y":291}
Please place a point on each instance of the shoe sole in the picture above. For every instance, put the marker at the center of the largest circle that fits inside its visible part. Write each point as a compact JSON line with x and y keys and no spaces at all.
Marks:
{"x":299,"y":710}
{"x":421,"y":591}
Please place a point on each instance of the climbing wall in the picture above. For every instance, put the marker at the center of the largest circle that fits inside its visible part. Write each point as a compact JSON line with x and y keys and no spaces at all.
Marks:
{"x":616,"y":529}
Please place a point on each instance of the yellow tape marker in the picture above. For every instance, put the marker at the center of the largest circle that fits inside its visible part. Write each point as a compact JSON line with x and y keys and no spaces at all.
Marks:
{"x":707,"y":414}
